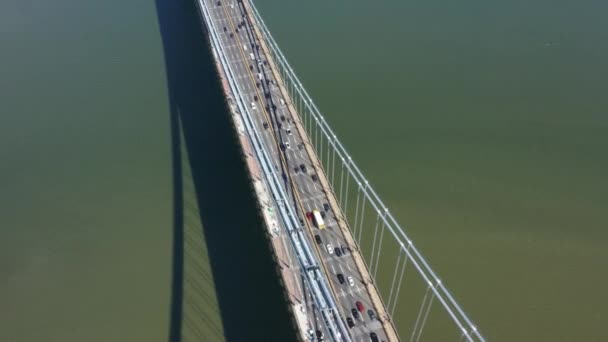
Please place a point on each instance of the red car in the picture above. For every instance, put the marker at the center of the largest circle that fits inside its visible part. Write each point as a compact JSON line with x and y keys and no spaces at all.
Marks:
{"x":309,"y":215}
{"x":360,"y":306}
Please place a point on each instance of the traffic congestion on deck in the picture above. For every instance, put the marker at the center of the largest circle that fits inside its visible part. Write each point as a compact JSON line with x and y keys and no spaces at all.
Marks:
{"x":277,"y":120}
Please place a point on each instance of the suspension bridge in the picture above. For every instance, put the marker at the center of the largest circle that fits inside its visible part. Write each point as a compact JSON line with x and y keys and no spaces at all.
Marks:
{"x":344,"y":260}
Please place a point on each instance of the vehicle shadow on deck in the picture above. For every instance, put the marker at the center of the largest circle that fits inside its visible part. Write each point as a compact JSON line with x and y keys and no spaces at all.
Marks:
{"x":222,"y":265}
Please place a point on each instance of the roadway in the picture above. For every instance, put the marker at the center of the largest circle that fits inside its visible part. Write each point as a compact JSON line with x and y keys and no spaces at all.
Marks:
{"x":272,"y":117}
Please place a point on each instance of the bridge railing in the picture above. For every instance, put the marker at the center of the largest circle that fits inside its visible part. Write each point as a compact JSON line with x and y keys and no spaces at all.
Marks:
{"x":388,"y":248}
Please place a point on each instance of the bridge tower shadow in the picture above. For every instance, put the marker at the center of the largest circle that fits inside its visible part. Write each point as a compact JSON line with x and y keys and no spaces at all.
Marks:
{"x":224,"y":285}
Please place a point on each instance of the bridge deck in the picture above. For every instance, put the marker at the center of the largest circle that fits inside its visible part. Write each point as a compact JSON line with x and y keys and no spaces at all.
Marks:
{"x":263,"y":90}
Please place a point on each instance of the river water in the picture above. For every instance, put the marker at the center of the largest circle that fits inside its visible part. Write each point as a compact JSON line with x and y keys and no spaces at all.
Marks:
{"x":483,"y":125}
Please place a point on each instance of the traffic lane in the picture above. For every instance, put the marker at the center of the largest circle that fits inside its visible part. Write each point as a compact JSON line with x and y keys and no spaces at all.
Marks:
{"x":241,"y":74}
{"x":248,"y":100}
{"x":347,"y":299}
{"x":316,"y":322}
{"x":310,"y":309}
{"x":240,"y":65}
{"x":237,"y":45}
{"x":239,"y":61}
{"x":250,"y":97}
{"x":348,"y":296}
{"x":306,"y":234}
{"x":353,"y":294}
{"x":329,"y":235}
{"x":236,"y":60}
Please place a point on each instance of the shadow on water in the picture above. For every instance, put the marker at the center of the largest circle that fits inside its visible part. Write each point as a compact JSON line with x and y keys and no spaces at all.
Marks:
{"x":249,"y":297}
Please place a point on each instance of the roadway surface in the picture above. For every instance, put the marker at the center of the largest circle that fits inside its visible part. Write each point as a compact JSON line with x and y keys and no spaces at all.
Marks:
{"x":271,"y":113}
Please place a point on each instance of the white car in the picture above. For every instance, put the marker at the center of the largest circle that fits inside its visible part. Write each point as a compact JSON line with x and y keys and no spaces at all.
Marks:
{"x":330,"y":249}
{"x":289,"y":131}
{"x":253,"y":105}
{"x":287,"y":144}
{"x":351,"y":281}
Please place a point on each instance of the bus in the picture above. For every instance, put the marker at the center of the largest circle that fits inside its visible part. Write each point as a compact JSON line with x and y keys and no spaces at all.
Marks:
{"x":318,"y":219}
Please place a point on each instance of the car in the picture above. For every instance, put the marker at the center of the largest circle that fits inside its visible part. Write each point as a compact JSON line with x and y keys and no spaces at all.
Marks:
{"x":320,"y":336}
{"x":340,"y":278}
{"x":253,"y":105}
{"x":303,"y":168}
{"x":225,"y":29}
{"x":283,"y":148}
{"x":289,"y":131}
{"x":330,"y":249}
{"x":314,"y":178}
{"x":355,"y":313}
{"x":338,"y":252}
{"x":360,"y":306}
{"x":287,"y":144}
{"x":257,"y":84}
{"x":219,"y":3}
{"x":255,"y":97}
{"x":350,"y":322}
{"x":282,"y":117}
{"x":323,"y":215}
{"x":371,"y":314}
{"x":326,"y":206}
{"x":343,"y":249}
{"x":265,"y":124}
{"x":231,"y":35}
{"x":296,"y":170}
{"x":300,"y":147}
{"x":373,"y":337}
{"x":309,"y":215}
{"x":274,"y":107}
{"x":351,"y":281}
{"x":318,"y":239}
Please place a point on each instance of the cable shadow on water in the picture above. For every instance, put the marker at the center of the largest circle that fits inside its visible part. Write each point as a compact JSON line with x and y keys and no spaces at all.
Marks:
{"x":224,"y":284}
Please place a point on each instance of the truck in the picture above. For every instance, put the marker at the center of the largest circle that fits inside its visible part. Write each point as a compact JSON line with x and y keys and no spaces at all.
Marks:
{"x":318,"y":219}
